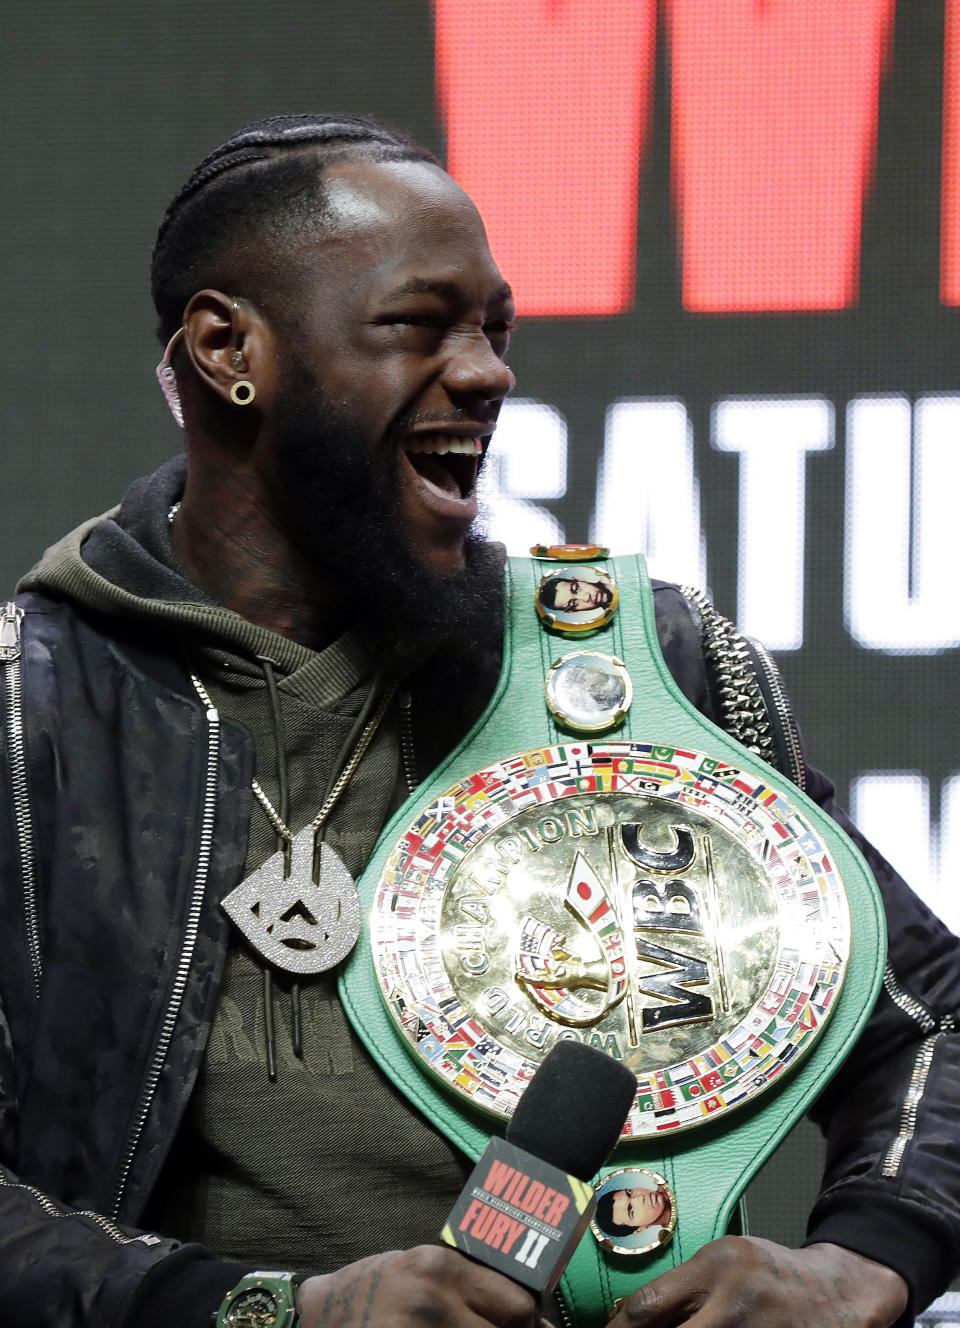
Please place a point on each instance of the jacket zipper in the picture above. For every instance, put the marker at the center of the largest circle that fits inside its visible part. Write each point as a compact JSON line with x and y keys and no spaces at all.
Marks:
{"x":10,"y":650}
{"x":915,"y":1010}
{"x":907,"y":1003}
{"x":189,"y":943}
{"x":788,"y":727}
{"x":109,"y":1228}
{"x":565,"y":1320}
{"x":408,"y":751}
{"x":893,"y":1157}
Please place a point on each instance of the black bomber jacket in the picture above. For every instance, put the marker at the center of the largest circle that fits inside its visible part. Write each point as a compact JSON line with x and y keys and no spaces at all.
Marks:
{"x":124,"y":820}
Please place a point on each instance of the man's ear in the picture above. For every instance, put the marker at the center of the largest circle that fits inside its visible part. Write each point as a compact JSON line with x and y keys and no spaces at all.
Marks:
{"x":228,"y":342}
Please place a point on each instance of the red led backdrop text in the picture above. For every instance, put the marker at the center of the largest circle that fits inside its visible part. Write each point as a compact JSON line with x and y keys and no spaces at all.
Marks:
{"x":547,"y":107}
{"x":556,"y":188}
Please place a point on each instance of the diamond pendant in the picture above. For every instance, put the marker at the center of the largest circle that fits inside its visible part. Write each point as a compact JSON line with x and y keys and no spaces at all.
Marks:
{"x":298,"y":924}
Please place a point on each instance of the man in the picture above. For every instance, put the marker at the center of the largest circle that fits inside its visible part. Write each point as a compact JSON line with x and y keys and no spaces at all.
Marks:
{"x":623,"y":1212}
{"x":574,"y":594}
{"x":192,"y":679}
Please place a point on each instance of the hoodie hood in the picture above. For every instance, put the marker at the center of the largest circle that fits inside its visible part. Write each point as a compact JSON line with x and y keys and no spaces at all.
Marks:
{"x":123,"y":564}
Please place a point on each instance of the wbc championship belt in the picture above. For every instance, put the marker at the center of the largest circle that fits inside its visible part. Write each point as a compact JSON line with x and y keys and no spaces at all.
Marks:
{"x":598,"y":861}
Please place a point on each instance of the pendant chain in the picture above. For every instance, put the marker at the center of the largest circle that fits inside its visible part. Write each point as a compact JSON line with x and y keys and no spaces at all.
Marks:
{"x":363,"y":742}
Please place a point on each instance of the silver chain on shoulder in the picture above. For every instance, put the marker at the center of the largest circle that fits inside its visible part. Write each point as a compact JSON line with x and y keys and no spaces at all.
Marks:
{"x":745,"y":715}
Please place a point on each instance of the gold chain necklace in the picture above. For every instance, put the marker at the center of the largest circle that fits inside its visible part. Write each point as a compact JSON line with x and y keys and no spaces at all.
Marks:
{"x":343,"y":779}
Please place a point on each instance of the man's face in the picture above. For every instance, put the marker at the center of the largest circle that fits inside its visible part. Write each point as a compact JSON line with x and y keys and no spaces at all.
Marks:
{"x":576,"y":595}
{"x":639,"y":1208}
{"x":339,"y":507}
{"x":401,"y":333}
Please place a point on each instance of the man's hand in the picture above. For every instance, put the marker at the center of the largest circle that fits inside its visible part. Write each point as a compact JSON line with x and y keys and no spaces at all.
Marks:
{"x":744,"y":1282}
{"x":428,"y":1287}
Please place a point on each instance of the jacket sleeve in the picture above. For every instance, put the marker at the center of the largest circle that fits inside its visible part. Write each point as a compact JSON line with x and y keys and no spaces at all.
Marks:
{"x":63,"y":1268}
{"x":891,"y":1186}
{"x":63,"y":1265}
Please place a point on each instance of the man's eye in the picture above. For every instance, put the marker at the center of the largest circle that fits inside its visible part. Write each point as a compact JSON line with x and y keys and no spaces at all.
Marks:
{"x":418,"y":320}
{"x":499,"y":330}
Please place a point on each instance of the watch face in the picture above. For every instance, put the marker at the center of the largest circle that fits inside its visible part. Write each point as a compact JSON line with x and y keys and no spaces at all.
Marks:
{"x":253,"y":1308}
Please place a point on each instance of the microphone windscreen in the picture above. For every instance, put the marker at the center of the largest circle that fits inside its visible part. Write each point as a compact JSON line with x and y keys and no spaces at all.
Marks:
{"x":573,"y":1110}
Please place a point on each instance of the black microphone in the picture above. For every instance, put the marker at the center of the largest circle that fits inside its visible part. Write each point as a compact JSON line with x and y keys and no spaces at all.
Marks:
{"x":526,"y":1204}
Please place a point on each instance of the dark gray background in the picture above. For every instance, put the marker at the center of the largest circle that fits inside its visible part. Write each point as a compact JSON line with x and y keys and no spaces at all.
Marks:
{"x":106,"y":108}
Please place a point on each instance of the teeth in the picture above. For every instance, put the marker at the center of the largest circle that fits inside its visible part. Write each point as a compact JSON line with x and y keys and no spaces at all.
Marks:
{"x":441,"y":444}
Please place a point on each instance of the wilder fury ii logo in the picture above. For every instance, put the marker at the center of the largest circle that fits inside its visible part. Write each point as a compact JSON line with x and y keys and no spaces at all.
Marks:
{"x":520,"y":1215}
{"x":554,"y":968}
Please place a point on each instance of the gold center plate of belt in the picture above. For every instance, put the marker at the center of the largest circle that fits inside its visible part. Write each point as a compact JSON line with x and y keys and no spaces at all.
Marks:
{"x":656,"y":903}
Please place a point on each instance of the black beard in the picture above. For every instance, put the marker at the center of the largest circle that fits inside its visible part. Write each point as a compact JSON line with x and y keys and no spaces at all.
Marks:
{"x":341,"y":508}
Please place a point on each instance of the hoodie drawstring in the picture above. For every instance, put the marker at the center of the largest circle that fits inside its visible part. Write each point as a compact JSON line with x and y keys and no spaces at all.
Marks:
{"x":283,"y":843}
{"x":280,"y":747}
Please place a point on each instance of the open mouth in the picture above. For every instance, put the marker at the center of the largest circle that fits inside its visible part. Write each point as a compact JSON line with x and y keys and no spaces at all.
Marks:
{"x":446,"y":464}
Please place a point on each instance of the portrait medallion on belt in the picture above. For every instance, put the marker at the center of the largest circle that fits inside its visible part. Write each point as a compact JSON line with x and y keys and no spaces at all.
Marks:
{"x":636,"y":1211}
{"x":664,"y":906}
{"x":576,"y":601}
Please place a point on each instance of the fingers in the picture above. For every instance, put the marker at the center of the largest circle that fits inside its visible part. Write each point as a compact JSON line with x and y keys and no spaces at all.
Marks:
{"x":728,"y":1284}
{"x":669,"y":1300}
{"x":492,"y":1296}
{"x":427,"y":1287}
{"x":746,"y":1282}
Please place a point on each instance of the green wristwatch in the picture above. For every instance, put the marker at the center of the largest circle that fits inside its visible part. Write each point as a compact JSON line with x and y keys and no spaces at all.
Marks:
{"x":261,"y":1300}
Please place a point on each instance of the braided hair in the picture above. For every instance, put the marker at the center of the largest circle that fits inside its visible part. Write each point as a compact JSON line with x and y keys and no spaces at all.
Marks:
{"x":231,"y":224}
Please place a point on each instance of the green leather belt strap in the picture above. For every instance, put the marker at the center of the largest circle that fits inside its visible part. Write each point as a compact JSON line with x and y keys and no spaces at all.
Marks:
{"x":707,"y":1167}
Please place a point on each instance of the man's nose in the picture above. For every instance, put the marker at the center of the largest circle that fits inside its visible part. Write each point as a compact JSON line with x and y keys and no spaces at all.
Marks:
{"x":476,"y":370}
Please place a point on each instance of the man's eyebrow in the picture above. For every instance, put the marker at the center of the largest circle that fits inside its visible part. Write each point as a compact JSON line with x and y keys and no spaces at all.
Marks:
{"x":446,"y":290}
